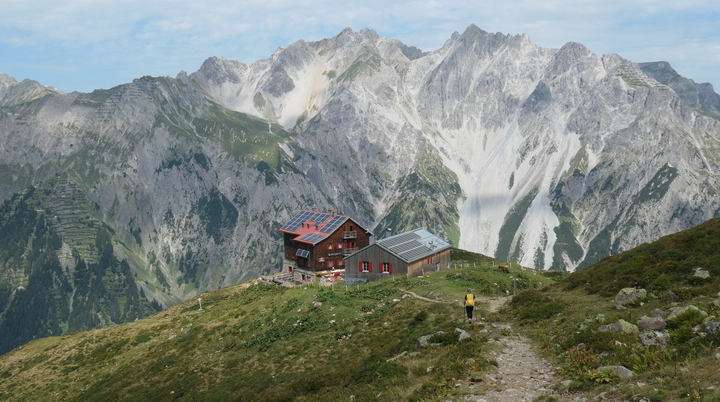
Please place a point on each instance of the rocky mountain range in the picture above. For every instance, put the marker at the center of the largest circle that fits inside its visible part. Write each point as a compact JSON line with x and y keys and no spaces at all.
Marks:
{"x":554,"y":158}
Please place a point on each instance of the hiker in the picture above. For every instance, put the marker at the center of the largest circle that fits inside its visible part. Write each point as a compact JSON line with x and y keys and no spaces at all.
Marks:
{"x":469,"y":304}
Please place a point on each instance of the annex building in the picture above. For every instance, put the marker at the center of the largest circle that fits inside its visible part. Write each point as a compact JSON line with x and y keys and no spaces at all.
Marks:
{"x":409,"y":253}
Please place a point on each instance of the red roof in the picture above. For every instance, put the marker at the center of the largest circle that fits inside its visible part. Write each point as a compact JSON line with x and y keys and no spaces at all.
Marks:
{"x":311,"y":227}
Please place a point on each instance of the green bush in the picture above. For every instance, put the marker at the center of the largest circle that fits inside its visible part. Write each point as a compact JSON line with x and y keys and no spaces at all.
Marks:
{"x":681,"y":327}
{"x":419,"y":318}
{"x":689,"y":318}
{"x":533,"y":306}
{"x":580,"y":362}
{"x":445,"y":338}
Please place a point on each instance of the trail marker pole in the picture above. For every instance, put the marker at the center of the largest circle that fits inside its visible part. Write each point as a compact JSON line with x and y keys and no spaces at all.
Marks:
{"x":200,"y":302}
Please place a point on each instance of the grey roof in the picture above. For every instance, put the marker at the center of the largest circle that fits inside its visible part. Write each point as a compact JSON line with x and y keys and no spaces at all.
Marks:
{"x":413,"y":245}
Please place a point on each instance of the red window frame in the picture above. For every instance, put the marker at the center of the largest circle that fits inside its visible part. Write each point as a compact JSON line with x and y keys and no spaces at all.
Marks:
{"x":362,"y":265}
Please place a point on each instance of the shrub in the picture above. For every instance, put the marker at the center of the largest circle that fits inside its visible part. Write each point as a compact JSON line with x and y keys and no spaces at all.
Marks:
{"x":533,"y":306}
{"x":682,"y":326}
{"x":688,"y":318}
{"x":445,"y":338}
{"x":419,"y":318}
{"x":580,"y":364}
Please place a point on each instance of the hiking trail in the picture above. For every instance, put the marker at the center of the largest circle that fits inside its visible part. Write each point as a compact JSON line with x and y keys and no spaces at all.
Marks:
{"x":521,"y":374}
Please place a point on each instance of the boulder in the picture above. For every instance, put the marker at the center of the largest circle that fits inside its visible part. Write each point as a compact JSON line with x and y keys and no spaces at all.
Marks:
{"x":651,"y":323}
{"x":496,"y":333}
{"x":672,"y":297}
{"x":657,"y":338}
{"x":701,"y":273}
{"x":715,"y":304}
{"x":627,"y":296}
{"x":712,"y":328}
{"x":621,"y":371}
{"x":658,"y":313}
{"x":621,"y":326}
{"x":424,"y":341}
{"x":463,"y":334}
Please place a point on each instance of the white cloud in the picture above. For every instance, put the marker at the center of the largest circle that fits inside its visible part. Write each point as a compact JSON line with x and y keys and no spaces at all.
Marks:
{"x":162,"y":37}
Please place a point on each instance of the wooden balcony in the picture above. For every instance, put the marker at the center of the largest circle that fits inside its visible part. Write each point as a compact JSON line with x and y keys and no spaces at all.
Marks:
{"x":349,"y":234}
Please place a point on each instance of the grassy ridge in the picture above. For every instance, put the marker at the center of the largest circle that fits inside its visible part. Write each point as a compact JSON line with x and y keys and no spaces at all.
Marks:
{"x":666,"y":264}
{"x":261,"y":342}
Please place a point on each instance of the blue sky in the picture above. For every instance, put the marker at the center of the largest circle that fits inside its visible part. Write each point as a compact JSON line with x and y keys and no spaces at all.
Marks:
{"x":81,"y":45}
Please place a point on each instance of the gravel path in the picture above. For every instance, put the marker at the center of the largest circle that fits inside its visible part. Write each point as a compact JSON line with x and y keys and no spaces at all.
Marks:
{"x":522,"y":375}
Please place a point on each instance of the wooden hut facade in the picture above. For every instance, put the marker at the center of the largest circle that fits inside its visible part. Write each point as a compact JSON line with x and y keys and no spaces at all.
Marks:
{"x":410,"y":253}
{"x":317,"y":242}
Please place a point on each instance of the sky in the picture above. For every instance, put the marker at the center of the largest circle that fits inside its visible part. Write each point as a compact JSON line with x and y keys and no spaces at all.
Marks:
{"x":82,"y":45}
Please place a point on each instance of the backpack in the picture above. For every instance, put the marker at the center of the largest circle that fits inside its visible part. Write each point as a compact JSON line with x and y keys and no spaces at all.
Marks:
{"x":469,"y":299}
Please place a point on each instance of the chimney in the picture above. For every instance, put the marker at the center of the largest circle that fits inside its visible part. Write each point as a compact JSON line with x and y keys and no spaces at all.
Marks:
{"x":331,"y":210}
{"x":314,"y":208}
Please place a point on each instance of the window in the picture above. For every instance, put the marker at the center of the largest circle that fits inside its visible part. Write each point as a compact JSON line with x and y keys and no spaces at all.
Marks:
{"x":386,"y":267}
{"x":365,"y":266}
{"x":330,"y":264}
{"x":329,"y":246}
{"x":430,"y":260}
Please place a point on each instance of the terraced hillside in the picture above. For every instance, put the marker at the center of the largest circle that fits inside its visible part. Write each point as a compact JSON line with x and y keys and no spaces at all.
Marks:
{"x":68,"y":208}
{"x":59,"y":272}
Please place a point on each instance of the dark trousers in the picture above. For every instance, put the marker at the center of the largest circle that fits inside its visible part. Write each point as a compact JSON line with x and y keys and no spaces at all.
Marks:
{"x":469,"y":310}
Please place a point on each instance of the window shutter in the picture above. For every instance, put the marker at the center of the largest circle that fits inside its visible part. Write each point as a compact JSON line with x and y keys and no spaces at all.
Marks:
{"x":359,"y":266}
{"x":390,"y":267}
{"x":369,"y":266}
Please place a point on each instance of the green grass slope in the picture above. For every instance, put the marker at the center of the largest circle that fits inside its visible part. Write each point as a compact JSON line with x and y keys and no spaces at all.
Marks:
{"x":566,"y":319}
{"x":262,"y":342}
{"x":668,"y":263}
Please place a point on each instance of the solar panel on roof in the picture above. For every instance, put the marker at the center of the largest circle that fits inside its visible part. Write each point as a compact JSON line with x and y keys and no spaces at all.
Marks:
{"x":304,"y":216}
{"x":399,"y":239}
{"x":416,"y":253}
{"x":296,"y":221}
{"x":333,"y":224}
{"x":406,"y":246}
{"x":312,"y":237}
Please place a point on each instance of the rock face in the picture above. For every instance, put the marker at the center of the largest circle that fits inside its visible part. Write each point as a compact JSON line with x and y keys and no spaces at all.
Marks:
{"x":701,"y":96}
{"x":554,"y":158}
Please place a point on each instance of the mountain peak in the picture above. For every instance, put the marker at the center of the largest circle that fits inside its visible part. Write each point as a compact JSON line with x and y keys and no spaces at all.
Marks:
{"x":222,"y":70}
{"x":697,"y":95}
